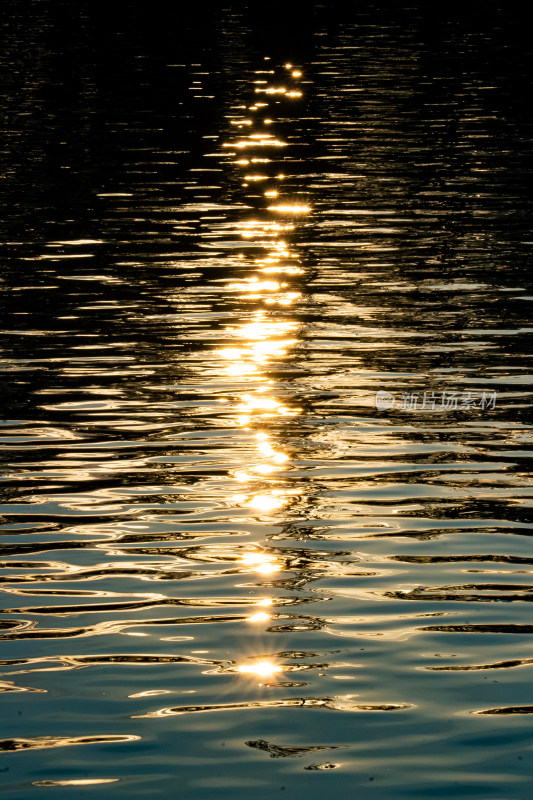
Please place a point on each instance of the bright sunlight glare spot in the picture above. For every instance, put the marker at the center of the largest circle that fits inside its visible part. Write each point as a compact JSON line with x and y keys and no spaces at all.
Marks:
{"x":240,"y":369}
{"x":262,"y":142}
{"x":264,"y":469}
{"x":262,"y":403}
{"x":272,"y":90}
{"x":254,"y":286}
{"x":287,"y":208}
{"x":284,"y":299}
{"x":230,"y":353}
{"x":264,"y":330}
{"x":241,"y":476}
{"x":261,"y":616}
{"x":261,"y":562}
{"x":283,"y":270}
{"x":266,"y":449}
{"x":266,"y":502}
{"x":263,"y":669}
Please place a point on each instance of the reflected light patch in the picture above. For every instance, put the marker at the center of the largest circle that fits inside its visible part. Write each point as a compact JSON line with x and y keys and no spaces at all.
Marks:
{"x":263,"y":141}
{"x":272,"y":90}
{"x":265,"y":469}
{"x":266,"y":502}
{"x":264,"y":329}
{"x":266,"y":449}
{"x":263,"y":350}
{"x":241,"y":476}
{"x":262,"y":403}
{"x":261,"y":562}
{"x":268,"y":405}
{"x":76,"y":782}
{"x":283,"y":270}
{"x":230,"y":353}
{"x":254,"y":285}
{"x":263,"y":669}
{"x":290,"y":208}
{"x":260,"y":226}
{"x":260,"y":616}
{"x":242,"y":370}
{"x":283,"y":299}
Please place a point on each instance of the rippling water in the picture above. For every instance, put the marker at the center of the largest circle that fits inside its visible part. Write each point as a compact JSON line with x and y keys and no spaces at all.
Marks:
{"x":229,"y":564}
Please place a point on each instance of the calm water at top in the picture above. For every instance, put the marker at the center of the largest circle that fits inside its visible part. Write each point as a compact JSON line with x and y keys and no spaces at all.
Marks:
{"x":229,"y":566}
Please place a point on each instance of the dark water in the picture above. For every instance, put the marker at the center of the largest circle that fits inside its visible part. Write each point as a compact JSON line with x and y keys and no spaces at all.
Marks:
{"x":226,"y":572}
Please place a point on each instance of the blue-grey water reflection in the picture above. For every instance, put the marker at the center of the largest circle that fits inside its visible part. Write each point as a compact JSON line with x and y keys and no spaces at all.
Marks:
{"x":267,"y":432}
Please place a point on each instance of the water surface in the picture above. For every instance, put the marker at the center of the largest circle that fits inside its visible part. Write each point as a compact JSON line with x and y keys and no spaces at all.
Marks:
{"x":225,"y":568}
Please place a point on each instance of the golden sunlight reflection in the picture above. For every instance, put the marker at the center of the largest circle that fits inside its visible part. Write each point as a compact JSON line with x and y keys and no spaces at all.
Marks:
{"x":266,"y":502}
{"x":283,"y":269}
{"x":264,"y":563}
{"x":263,"y":669}
{"x":272,"y":90}
{"x":254,"y":285}
{"x":284,"y":299}
{"x":291,"y":208}
{"x":263,"y":140}
{"x":262,"y":502}
{"x":261,"y":341}
{"x":255,"y":227}
{"x":259,"y":616}
{"x":264,"y":404}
